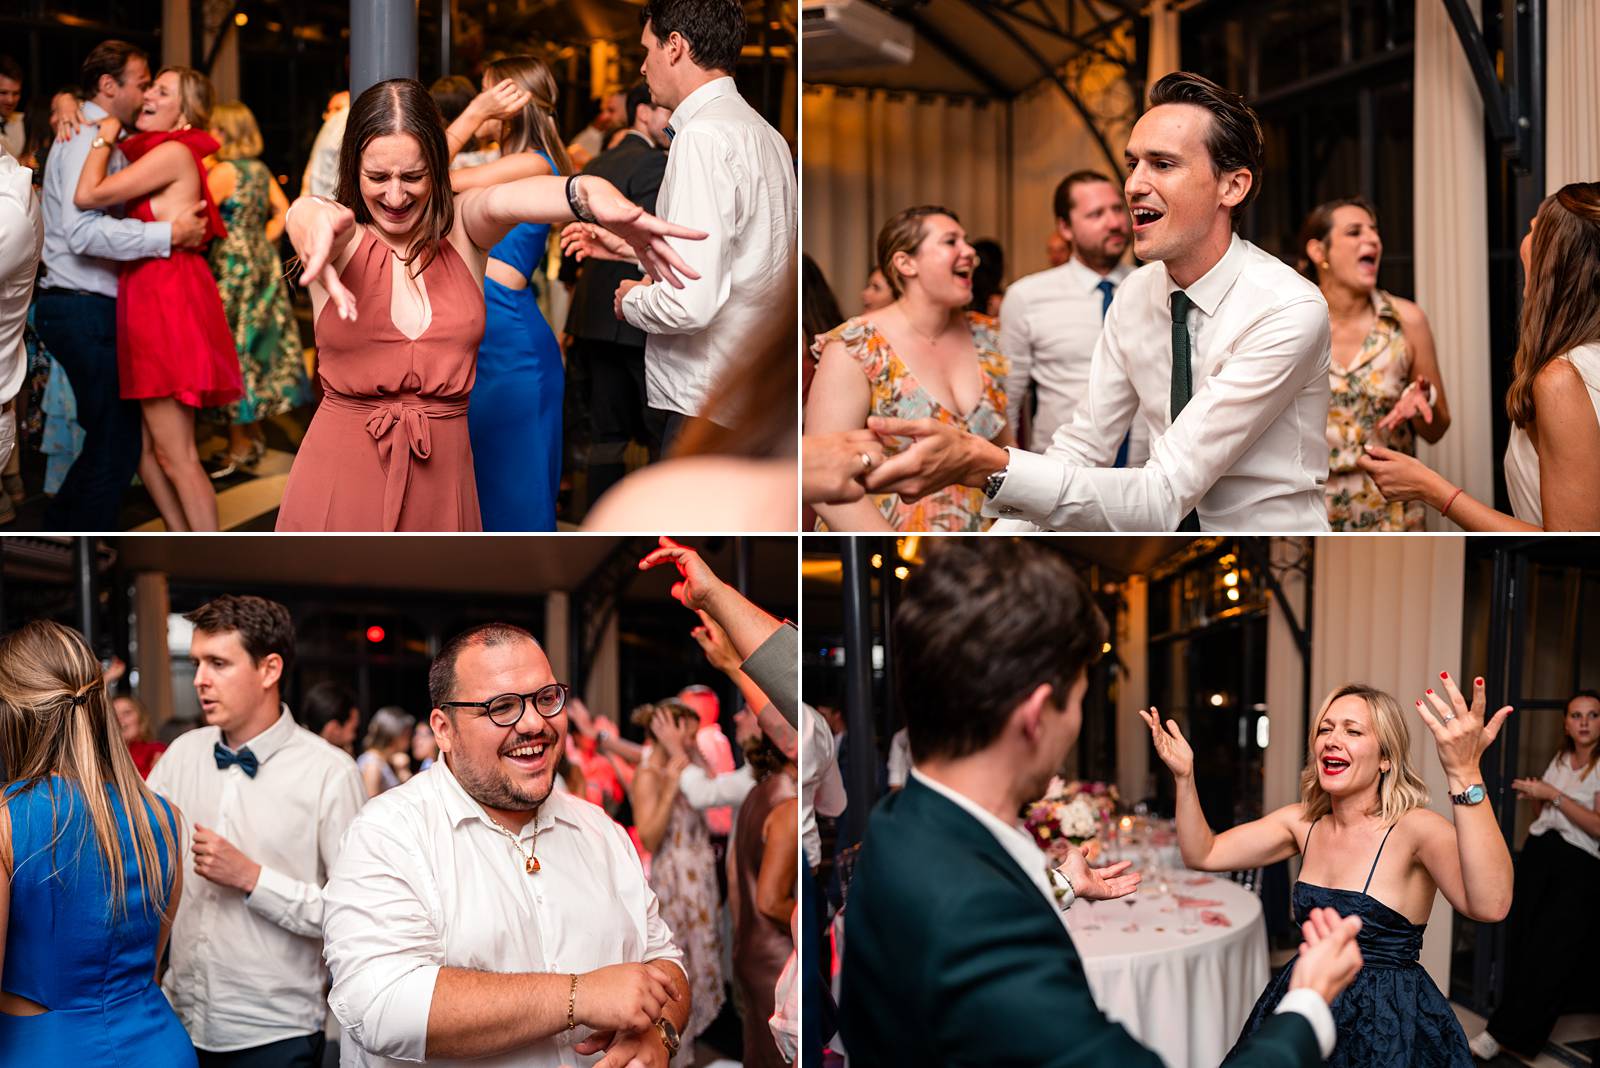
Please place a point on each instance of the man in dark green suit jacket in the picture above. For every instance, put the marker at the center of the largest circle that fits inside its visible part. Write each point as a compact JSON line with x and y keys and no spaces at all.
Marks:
{"x":955,"y":952}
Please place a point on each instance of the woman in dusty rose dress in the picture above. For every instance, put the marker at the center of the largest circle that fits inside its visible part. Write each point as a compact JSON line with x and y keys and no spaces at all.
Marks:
{"x":923,"y":356}
{"x":1383,"y":375}
{"x":174,"y":349}
{"x":388,"y":448}
{"x":683,"y":869}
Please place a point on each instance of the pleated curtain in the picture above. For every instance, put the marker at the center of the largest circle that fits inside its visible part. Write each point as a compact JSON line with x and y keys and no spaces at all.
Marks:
{"x":1452,"y":249}
{"x":1572,"y":96}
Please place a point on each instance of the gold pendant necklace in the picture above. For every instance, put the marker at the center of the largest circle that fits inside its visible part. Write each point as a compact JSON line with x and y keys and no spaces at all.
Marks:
{"x":530,"y":861}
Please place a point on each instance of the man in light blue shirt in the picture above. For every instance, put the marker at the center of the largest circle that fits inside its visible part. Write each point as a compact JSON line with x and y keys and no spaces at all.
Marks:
{"x":77,"y":299}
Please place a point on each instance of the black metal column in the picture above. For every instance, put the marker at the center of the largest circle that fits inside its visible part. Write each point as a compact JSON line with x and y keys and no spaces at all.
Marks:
{"x":863,"y":785}
{"x":383,"y":42}
{"x":83,"y":589}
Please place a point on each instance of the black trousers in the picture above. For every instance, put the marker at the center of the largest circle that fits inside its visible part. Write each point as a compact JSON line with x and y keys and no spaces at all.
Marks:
{"x":80,"y":330}
{"x":303,"y":1051}
{"x":1551,"y":933}
{"x":618,"y":413}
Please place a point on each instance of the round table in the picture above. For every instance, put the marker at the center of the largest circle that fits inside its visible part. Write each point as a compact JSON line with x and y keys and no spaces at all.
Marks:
{"x":1185,"y":995}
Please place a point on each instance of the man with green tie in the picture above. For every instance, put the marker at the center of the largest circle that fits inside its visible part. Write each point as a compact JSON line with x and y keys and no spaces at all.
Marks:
{"x":956,"y":950}
{"x":1219,"y":349}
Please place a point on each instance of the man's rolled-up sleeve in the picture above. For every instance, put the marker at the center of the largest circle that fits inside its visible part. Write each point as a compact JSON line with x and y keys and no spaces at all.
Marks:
{"x":382,"y":943}
{"x":706,"y":197}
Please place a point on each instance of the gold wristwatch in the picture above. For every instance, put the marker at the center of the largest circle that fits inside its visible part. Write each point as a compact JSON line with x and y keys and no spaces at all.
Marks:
{"x":669,"y":1036}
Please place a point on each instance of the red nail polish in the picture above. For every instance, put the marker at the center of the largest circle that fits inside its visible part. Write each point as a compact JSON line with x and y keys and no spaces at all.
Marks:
{"x":1477,"y":682}
{"x":1430,"y":691}
{"x":1444,"y":675}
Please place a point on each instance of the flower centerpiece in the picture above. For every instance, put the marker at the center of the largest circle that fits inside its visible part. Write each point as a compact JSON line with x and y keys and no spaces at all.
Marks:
{"x":1069,"y":815}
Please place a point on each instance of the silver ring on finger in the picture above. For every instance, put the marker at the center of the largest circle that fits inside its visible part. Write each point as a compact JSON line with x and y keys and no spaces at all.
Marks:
{"x":1448,"y":716}
{"x":867,"y":461}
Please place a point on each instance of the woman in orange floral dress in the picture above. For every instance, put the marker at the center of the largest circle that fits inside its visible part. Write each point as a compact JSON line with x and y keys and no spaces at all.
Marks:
{"x":923,"y":356}
{"x":1384,"y":375}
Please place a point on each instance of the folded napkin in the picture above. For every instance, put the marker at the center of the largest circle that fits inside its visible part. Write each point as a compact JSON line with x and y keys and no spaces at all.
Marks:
{"x":1215,"y":919}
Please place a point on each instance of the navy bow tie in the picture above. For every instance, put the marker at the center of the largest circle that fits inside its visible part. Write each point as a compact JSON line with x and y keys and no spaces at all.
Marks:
{"x":244,"y":758}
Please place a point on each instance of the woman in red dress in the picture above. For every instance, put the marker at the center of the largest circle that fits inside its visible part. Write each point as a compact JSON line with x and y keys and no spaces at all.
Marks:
{"x":175,"y":352}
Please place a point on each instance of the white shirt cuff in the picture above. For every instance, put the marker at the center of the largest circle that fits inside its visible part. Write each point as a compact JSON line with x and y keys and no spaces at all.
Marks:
{"x":1033,"y":487}
{"x":1065,"y":895}
{"x":272,"y":894}
{"x":1309,"y":1003}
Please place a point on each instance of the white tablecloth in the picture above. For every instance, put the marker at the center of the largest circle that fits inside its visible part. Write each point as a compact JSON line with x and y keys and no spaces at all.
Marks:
{"x":1186,"y":996}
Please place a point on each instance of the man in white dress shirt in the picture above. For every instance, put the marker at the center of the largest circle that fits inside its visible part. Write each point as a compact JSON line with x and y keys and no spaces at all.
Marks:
{"x":476,"y":914}
{"x":1221,"y":349}
{"x":266,"y":803}
{"x":730,"y":174}
{"x":21,"y":237}
{"x":1050,"y":321}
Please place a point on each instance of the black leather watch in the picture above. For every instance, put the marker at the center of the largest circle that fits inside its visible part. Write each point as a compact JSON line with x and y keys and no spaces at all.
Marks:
{"x":669,"y":1036}
{"x":1473,"y":795}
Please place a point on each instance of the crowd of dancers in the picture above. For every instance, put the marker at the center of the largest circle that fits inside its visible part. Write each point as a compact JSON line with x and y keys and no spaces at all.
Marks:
{"x":425,"y":216}
{"x":1213,"y":388}
{"x":509,"y":876}
{"x":987,"y":733}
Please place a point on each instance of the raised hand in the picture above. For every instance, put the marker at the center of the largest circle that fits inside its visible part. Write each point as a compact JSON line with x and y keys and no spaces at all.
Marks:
{"x":1329,"y":957}
{"x":665,"y":729}
{"x":1170,"y":744}
{"x":1412,"y":403}
{"x":699,"y":581}
{"x":713,"y":641}
{"x":1459,"y":730}
{"x":502,"y":101}
{"x":1099,"y":884}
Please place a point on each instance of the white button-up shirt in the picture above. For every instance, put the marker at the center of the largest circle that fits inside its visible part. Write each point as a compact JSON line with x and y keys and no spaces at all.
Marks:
{"x":821,"y":788}
{"x":730,"y":174}
{"x":83,"y":247}
{"x":21,"y":236}
{"x":1248,"y":452}
{"x":246,"y":969}
{"x":1049,"y":323}
{"x":427,"y":881}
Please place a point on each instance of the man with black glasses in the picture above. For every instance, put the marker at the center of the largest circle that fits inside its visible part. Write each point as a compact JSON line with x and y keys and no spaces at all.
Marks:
{"x":476,"y":912}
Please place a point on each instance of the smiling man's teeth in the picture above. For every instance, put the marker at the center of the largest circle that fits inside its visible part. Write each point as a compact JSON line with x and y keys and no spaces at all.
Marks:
{"x":527,"y":751}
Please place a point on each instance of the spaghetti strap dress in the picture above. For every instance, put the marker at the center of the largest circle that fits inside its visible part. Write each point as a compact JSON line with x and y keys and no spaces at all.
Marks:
{"x":1391,"y":1014}
{"x":388,"y":449}
{"x":515,"y":415}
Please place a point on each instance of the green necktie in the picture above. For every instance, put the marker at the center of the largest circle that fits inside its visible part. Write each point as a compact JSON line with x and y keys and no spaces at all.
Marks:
{"x":1182,"y":384}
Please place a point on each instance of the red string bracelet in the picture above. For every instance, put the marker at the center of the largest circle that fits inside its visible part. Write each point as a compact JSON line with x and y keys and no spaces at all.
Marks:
{"x":1445,"y":511}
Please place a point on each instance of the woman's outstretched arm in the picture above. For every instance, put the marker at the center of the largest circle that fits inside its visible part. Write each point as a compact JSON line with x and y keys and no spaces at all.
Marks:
{"x":152,"y":172}
{"x":1250,"y":845}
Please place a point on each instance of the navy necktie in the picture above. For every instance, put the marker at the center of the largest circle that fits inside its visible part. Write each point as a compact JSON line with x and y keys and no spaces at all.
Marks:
{"x":1107,"y":287}
{"x":244,"y":758}
{"x":1182,"y":385}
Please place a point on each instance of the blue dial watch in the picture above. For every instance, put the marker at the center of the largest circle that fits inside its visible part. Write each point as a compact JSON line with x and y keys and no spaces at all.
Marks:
{"x":1474,"y":795}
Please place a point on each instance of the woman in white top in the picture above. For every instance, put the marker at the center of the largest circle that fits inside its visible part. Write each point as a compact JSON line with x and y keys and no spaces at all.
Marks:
{"x":1553,"y":461}
{"x":1557,"y":873}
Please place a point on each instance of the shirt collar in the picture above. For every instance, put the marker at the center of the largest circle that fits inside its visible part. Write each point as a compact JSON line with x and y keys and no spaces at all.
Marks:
{"x":1086,"y":280}
{"x":461,"y":807}
{"x":93,"y":113}
{"x":691,"y":105}
{"x":1208,"y":290}
{"x":269,"y":741}
{"x":1011,"y":837}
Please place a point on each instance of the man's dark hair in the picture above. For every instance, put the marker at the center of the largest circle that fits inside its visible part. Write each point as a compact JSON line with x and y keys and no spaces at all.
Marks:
{"x":264,"y":626}
{"x":108,"y":57}
{"x":442,"y":672}
{"x":10,"y":68}
{"x":1235,"y":140}
{"x":638,"y":97}
{"x":325,"y":703}
{"x":714,"y":29}
{"x":982,"y":624}
{"x":1062,"y":201}
{"x":452,"y":93}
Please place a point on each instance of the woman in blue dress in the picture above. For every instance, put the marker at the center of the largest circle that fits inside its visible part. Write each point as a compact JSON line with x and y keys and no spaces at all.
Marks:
{"x":89,"y":879}
{"x":514,"y":415}
{"x":1367,"y":806}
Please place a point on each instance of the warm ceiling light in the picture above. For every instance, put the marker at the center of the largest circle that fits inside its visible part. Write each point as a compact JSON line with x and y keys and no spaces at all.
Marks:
{"x":877,"y":559}
{"x":1105,"y":648}
{"x":901,"y":572}
{"x":240,"y":19}
{"x":1216,"y":700}
{"x":1231,"y":579}
{"x":1233,"y":593}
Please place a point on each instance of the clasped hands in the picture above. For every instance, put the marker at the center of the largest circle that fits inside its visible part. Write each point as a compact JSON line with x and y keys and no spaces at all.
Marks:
{"x":622,"y":1003}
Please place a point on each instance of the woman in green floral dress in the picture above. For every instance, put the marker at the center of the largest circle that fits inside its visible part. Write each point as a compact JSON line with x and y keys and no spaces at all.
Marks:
{"x":250,"y":278}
